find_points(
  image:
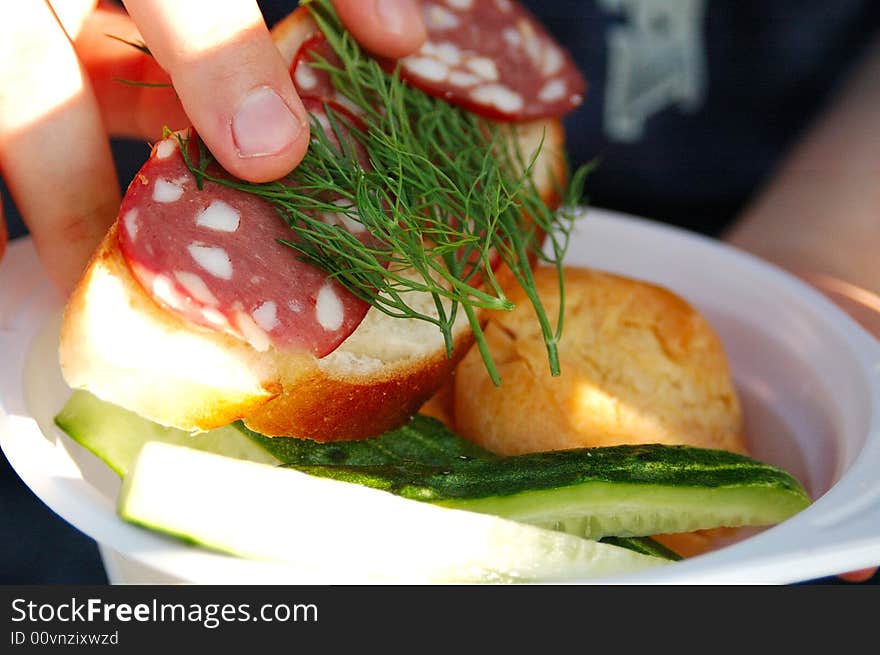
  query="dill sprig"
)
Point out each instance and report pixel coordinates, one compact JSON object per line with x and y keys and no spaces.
{"x":150,"y":85}
{"x":446,"y":197}
{"x":137,"y":45}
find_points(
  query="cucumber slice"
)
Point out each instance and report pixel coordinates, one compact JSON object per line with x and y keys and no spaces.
{"x":625,"y":491}
{"x":424,"y":441}
{"x":347,"y":532}
{"x":116,"y":435}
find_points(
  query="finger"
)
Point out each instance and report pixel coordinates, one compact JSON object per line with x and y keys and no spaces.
{"x":231,"y":80}
{"x":391,"y":28}
{"x":54,"y":153}
{"x":119,"y":72}
{"x":72,"y":14}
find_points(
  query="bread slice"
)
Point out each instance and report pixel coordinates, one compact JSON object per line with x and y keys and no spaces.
{"x":119,"y":344}
{"x":639,"y":365}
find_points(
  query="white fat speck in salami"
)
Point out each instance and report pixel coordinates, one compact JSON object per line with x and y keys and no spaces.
{"x":553,"y":90}
{"x":165,"y":148}
{"x":130,"y":221}
{"x":463,"y":79}
{"x":526,"y":28}
{"x":448,"y":53}
{"x":305,"y":77}
{"x":253,"y":333}
{"x":439,"y":19}
{"x":219,"y":216}
{"x":534,"y":51}
{"x":266,"y":316}
{"x":553,"y":61}
{"x":214,"y":258}
{"x":213,"y":317}
{"x":499,"y":97}
{"x":324,"y":122}
{"x":342,"y":101}
{"x":328,"y":309}
{"x":309,"y":80}
{"x":163,"y":290}
{"x":165,"y":191}
{"x":196,"y":287}
{"x":343,"y":217}
{"x":501,"y":43}
{"x":483,"y":67}
{"x":512,"y":36}
{"x":427,"y":68}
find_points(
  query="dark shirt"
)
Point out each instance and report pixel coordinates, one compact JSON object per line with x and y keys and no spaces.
{"x":768,"y":68}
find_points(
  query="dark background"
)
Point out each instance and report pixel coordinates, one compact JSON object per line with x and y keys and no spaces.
{"x":772,"y":66}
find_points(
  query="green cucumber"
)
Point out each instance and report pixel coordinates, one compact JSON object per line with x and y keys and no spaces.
{"x":423,"y":441}
{"x":623,"y":491}
{"x":116,"y":435}
{"x":331,"y":531}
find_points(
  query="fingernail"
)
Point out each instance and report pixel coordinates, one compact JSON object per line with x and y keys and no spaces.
{"x":263,"y":124}
{"x":398,"y":16}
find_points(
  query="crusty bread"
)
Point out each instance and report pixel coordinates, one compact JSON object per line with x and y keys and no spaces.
{"x":639,"y":365}
{"x":119,"y":344}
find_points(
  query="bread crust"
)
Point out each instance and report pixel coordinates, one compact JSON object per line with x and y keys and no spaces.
{"x":329,"y":408}
{"x":276,"y":393}
{"x":639,"y":365}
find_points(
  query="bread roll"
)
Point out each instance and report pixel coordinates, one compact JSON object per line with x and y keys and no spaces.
{"x":639,"y":365}
{"x":119,"y":344}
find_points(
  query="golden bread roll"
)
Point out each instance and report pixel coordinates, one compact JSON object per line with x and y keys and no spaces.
{"x":639,"y":365}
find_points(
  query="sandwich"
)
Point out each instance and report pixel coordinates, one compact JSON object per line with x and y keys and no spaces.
{"x":331,"y":304}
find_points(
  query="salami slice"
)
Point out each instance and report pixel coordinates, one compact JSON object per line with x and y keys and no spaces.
{"x":212,"y":256}
{"x":493,"y":58}
{"x":308,"y":79}
{"x":311,"y":81}
{"x":490,"y":57}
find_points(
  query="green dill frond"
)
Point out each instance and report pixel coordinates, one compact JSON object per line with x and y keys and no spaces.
{"x":137,"y":45}
{"x":151,"y":85}
{"x":447,"y":197}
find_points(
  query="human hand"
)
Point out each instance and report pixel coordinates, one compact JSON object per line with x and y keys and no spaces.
{"x":60,"y":100}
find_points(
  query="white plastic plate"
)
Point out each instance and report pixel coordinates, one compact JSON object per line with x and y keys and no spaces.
{"x":808,"y":375}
